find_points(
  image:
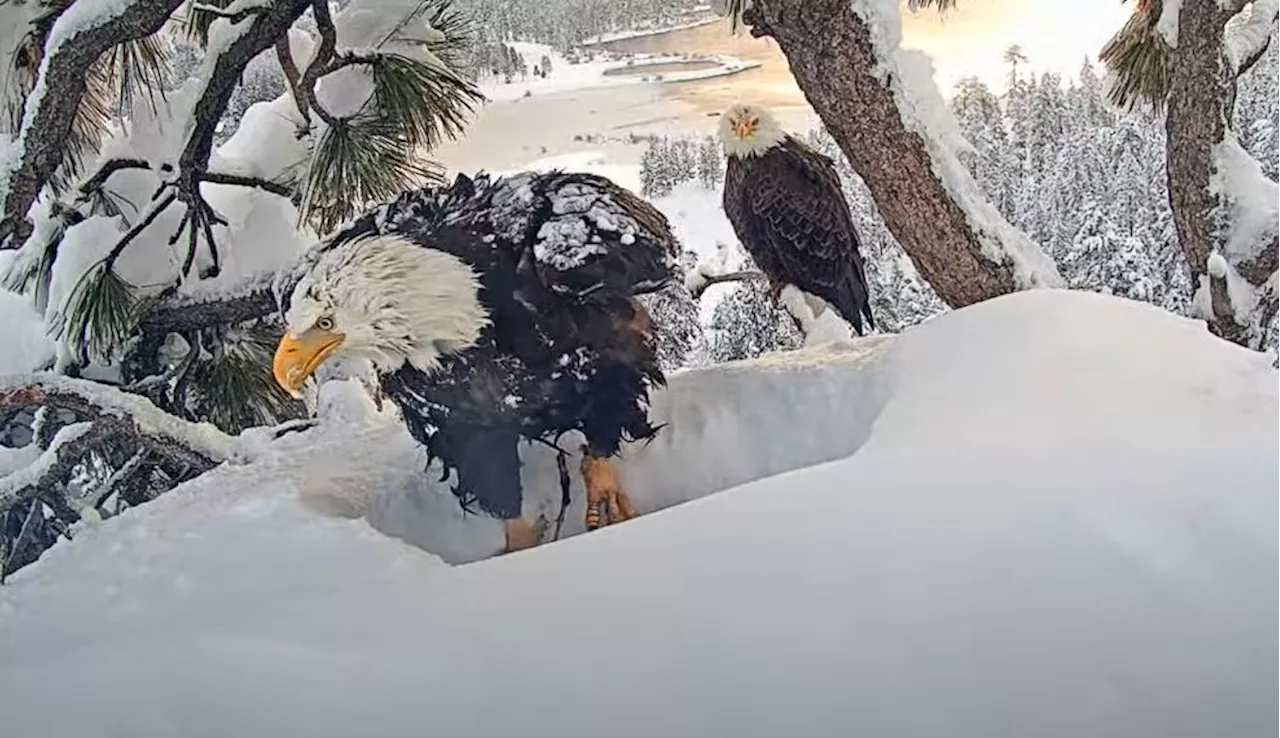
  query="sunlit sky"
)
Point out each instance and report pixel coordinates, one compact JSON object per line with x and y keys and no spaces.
{"x":1055,"y":35}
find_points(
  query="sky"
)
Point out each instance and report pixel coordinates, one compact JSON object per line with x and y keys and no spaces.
{"x":1055,"y":35}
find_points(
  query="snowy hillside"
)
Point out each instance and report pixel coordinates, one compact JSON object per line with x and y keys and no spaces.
{"x":1050,"y":514}
{"x":606,"y":71}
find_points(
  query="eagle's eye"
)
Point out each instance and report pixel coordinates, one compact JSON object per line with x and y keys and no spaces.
{"x":325,"y":323}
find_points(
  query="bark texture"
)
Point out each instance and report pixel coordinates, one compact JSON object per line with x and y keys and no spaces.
{"x":830,"y":52}
{"x":1200,"y":104}
{"x":46,"y":128}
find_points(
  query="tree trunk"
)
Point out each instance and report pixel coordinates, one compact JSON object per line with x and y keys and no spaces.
{"x":835,"y":62}
{"x":1200,"y":102}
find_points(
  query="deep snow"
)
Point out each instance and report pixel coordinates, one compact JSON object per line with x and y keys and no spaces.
{"x":1059,"y":520}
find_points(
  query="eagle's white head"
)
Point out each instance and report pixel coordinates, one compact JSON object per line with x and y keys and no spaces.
{"x":749,"y":130}
{"x":380,"y":298}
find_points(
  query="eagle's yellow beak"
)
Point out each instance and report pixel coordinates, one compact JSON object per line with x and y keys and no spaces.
{"x":297,"y":358}
{"x":744,"y":127}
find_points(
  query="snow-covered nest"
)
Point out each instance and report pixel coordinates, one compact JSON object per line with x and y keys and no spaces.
{"x":1050,"y":514}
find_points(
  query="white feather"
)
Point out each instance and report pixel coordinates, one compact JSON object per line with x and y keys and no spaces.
{"x":393,"y":301}
{"x":766,"y":135}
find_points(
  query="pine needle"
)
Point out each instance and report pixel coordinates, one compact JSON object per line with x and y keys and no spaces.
{"x":358,"y":161}
{"x":427,"y":99}
{"x":136,"y":67}
{"x":98,"y":316}
{"x":234,"y":388}
{"x":196,"y":22}
{"x":1139,"y":57}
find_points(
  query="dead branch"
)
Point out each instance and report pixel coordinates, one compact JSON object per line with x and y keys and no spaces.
{"x":706,"y":280}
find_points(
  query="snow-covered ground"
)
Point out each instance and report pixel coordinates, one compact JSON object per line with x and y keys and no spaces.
{"x":603,"y":71}
{"x":1049,"y":514}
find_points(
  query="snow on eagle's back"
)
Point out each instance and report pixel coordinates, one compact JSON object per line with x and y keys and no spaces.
{"x":565,"y":243}
{"x":1058,"y":519}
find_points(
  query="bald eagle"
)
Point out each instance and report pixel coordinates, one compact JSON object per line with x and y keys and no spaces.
{"x":495,"y":310}
{"x":787,"y":207}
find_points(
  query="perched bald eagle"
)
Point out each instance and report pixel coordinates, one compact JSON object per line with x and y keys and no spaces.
{"x":788,"y":210}
{"x":495,"y":310}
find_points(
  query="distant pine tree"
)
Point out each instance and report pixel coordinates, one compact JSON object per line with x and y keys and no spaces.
{"x":710,"y":163}
{"x":746,"y":324}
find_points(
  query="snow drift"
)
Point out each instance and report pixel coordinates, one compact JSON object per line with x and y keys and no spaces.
{"x":1050,"y":514}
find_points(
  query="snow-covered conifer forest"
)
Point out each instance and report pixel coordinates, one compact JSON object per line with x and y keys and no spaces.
{"x":1038,"y":498}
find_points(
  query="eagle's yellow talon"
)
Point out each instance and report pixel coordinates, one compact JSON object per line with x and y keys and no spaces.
{"x":603,"y":490}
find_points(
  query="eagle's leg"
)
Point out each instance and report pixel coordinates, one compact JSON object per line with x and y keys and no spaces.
{"x":603,"y":491}
{"x":775,"y":290}
{"x":489,"y":472}
{"x":522,"y":534}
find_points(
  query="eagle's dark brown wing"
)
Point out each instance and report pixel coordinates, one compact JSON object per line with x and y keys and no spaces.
{"x":789,"y":211}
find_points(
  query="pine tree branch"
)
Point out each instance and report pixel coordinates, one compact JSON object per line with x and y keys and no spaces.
{"x":240,"y":180}
{"x":265,"y":28}
{"x":47,"y":119}
{"x":320,"y":62}
{"x":158,"y":206}
{"x":198,"y":444}
{"x":99,"y":178}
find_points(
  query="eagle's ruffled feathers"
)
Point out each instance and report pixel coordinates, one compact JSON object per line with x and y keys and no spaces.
{"x":559,"y":257}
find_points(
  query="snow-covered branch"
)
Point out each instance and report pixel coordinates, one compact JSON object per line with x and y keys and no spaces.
{"x":1249,"y":33}
{"x":699,"y":280}
{"x":81,"y":34}
{"x":231,"y":47}
{"x":198,"y":443}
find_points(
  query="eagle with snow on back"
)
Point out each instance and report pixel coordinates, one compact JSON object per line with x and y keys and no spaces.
{"x":495,"y":310}
{"x":787,"y":208}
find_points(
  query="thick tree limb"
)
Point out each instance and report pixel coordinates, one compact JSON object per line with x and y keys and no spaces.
{"x":197,"y":444}
{"x":1197,"y":123}
{"x":48,"y":118}
{"x":833,"y":58}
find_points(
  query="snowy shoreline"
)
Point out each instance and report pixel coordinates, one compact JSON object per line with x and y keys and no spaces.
{"x":567,"y":76}
{"x":607,"y":38}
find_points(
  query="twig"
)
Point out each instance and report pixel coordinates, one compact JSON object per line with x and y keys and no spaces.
{"x":710,"y":279}
{"x":100,"y":177}
{"x":157,"y":207}
{"x":284,"y":55}
{"x":235,"y":17}
{"x":320,"y":63}
{"x":97,"y":496}
{"x":20,"y":539}
{"x":224,"y":178}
